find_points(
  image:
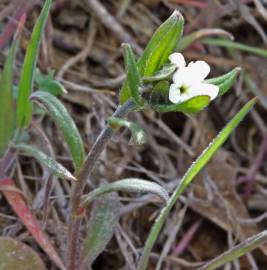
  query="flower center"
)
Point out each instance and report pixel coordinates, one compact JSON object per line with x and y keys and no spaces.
{"x":183,"y":89}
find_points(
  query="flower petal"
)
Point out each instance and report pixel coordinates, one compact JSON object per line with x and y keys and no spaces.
{"x":204,"y":89}
{"x":199,"y":70}
{"x":183,"y":76}
{"x":174,"y":93}
{"x":177,"y":59}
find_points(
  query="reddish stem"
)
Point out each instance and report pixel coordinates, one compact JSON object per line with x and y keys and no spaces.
{"x":251,"y":177}
{"x":187,"y":237}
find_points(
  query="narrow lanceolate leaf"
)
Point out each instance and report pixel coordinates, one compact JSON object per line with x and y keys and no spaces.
{"x":16,"y":255}
{"x":129,"y":185}
{"x":226,"y":81}
{"x":64,"y":122}
{"x":138,"y":133}
{"x":133,"y":76}
{"x":55,"y":167}
{"x":103,"y":221}
{"x":7,"y":112}
{"x":196,"y":167}
{"x":156,"y":53}
{"x":237,"y":251}
{"x":17,"y":202}
{"x":24,"y":109}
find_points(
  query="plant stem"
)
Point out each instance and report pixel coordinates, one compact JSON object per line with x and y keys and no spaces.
{"x":83,"y":175}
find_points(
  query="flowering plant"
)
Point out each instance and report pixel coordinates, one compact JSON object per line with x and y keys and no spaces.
{"x":159,"y":80}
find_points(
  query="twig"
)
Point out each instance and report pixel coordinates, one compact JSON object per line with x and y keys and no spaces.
{"x":81,"y":56}
{"x":111,"y":23}
{"x":250,"y":179}
{"x":83,"y":176}
{"x":7,"y":161}
{"x":177,"y":223}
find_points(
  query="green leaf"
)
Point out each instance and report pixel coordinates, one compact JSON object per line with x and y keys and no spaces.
{"x":235,"y":45}
{"x":161,"y":45}
{"x":235,"y":252}
{"x":65,"y":123}
{"x":47,"y":83}
{"x":24,"y":109}
{"x":192,"y":105}
{"x":156,"y":53}
{"x":138,"y":133}
{"x":133,"y":76}
{"x":55,"y":167}
{"x":16,"y":255}
{"x":226,"y":81}
{"x":195,"y":168}
{"x":7,"y":110}
{"x":129,"y":185}
{"x":164,"y":73}
{"x":103,"y":221}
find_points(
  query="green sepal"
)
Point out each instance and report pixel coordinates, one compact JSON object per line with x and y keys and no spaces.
{"x":192,"y":105}
{"x":225,"y":82}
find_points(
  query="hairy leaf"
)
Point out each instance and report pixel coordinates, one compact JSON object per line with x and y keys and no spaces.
{"x":130,"y":185}
{"x":55,"y":167}
{"x":64,"y":122}
{"x":103,"y":221}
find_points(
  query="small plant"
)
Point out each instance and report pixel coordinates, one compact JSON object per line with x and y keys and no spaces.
{"x":159,"y":80}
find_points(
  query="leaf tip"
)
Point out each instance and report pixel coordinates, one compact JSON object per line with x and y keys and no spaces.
{"x":176,"y":13}
{"x":125,"y":45}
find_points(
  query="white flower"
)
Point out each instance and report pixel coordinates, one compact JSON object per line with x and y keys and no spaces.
{"x":177,"y":59}
{"x":188,"y":80}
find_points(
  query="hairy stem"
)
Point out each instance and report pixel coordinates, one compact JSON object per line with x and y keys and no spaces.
{"x":84,"y":174}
